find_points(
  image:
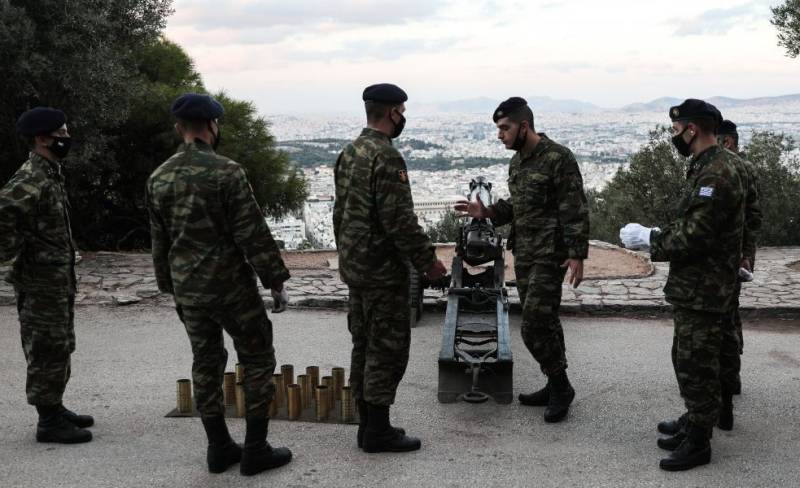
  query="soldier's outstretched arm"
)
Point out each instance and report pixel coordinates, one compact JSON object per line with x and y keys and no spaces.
{"x":396,"y":213}
{"x":573,"y":208}
{"x":694,"y":233}
{"x":337,"y":204}
{"x":752,"y":217}
{"x":503,"y":211}
{"x":160,"y":244}
{"x":250,"y":230}
{"x":18,"y":199}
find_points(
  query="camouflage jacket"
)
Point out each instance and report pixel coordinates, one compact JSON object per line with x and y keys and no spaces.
{"x":208,"y":232}
{"x":752,"y":211}
{"x":704,"y":245}
{"x":374,"y":223}
{"x":549,"y":214}
{"x":35,"y":230}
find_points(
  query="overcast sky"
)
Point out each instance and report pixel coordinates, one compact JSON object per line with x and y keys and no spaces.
{"x":307,"y":56}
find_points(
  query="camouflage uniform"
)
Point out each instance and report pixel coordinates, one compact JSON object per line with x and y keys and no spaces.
{"x":704,"y":248}
{"x":752,"y":226}
{"x":377,"y":234}
{"x":35,"y":232}
{"x":550,"y":223}
{"x":210,"y":240}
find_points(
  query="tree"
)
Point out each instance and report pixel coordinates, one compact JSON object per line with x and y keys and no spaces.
{"x":646,"y":192}
{"x":777,"y":164}
{"x":649,"y":191}
{"x":447,"y":229}
{"x":786,"y":18}
{"x":106,"y":65}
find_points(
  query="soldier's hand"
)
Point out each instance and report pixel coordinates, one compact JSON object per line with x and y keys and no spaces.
{"x":436,"y":271}
{"x":575,"y":271}
{"x":280,"y":299}
{"x":475,"y":209}
{"x":745,"y":263}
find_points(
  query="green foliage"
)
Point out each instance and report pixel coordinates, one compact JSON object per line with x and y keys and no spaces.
{"x":447,"y":229}
{"x":105,"y":64}
{"x":655,"y":182}
{"x":777,"y":164}
{"x":786,"y":18}
{"x":647,"y":192}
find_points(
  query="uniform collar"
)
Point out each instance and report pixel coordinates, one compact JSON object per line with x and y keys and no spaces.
{"x":703,"y":158}
{"x":50,"y":167}
{"x":197,"y":145}
{"x":376,"y":134}
{"x":544,"y":143}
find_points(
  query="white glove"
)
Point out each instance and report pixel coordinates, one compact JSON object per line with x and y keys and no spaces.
{"x":745,"y":276}
{"x":635,"y":236}
{"x":280,"y":300}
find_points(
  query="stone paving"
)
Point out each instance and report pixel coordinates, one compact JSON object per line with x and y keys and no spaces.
{"x":115,"y":279}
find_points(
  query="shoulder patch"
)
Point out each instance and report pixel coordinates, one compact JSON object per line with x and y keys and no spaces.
{"x":402,"y":175}
{"x":706,"y":191}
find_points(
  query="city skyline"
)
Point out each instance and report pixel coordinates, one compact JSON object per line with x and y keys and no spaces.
{"x":314,"y":56}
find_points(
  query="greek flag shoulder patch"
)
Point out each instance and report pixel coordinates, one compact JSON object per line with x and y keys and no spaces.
{"x":706,"y":191}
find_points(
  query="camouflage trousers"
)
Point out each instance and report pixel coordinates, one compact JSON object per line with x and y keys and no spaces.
{"x":731,"y":376}
{"x":539,"y":287}
{"x":47,"y":328}
{"x":246,"y":322}
{"x":703,"y":349}
{"x":379,"y":322}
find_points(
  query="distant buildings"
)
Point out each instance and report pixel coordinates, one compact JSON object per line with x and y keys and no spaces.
{"x":290,"y":230}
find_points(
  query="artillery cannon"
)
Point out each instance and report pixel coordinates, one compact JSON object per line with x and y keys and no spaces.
{"x":475,"y":361}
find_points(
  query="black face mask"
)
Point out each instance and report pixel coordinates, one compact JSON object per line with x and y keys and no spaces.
{"x":519,"y":142}
{"x":398,"y":126}
{"x":60,"y":146}
{"x":217,"y":136}
{"x":683,"y":147}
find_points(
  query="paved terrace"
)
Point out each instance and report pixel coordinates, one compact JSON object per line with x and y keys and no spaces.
{"x":618,"y":281}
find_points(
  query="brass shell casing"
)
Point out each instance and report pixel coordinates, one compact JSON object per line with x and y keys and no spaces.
{"x":338,"y":383}
{"x":280,"y":390}
{"x":229,"y":389}
{"x":305,"y":390}
{"x":241,"y":409}
{"x":287,"y":370}
{"x":328,"y":381}
{"x":293,"y":394}
{"x":184,"y":395}
{"x":323,"y":396}
{"x":313,"y":373}
{"x":347,"y":410}
{"x":239,"y":373}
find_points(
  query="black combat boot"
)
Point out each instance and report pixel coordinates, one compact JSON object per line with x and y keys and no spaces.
{"x":81,"y":421}
{"x":695,"y":450}
{"x":362,"y":423}
{"x":222,"y":451}
{"x":380,"y":436}
{"x":258,"y":455}
{"x":53,"y":427}
{"x":539,"y":398}
{"x":672,"y":427}
{"x":725,"y":420}
{"x":561,"y":396}
{"x":673,"y":442}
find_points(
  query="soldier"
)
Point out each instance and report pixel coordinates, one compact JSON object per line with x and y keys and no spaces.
{"x":210,"y":241}
{"x":728,"y":137}
{"x":35,"y":233}
{"x":377,"y":235}
{"x":550,"y":233}
{"x":703,"y":247}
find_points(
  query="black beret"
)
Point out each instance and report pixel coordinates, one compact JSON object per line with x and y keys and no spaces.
{"x":727,"y":128}
{"x":384,"y":93}
{"x":508,"y":107}
{"x":40,"y":120}
{"x":196,"y":106}
{"x":693,"y":109}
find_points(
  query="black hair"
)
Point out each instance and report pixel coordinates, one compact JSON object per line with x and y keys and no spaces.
{"x":523,"y":113}
{"x":376,"y":111}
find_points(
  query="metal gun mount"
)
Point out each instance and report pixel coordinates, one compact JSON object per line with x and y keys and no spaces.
{"x":475,"y":361}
